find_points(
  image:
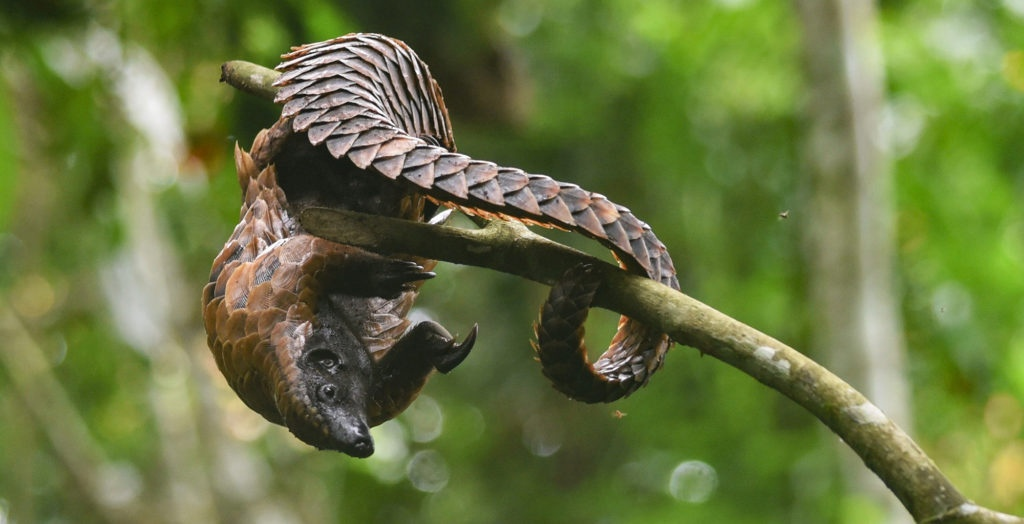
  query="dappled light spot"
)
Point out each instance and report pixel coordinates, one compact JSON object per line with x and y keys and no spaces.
{"x":901,"y":123}
{"x":428,"y":471}
{"x":1006,"y":474}
{"x":241,"y":422}
{"x":244,"y":473}
{"x":962,"y":36}
{"x":1013,"y":69}
{"x":734,"y":4}
{"x":520,"y":17}
{"x":952,"y":304}
{"x":120,"y":484}
{"x":473,"y":425}
{"x":542,"y":436}
{"x":646,"y":474}
{"x":425,"y":419}
{"x":171,"y":369}
{"x":33,"y":296}
{"x":1015,"y":6}
{"x":693,"y":481}
{"x":1004,"y":416}
{"x":391,"y":447}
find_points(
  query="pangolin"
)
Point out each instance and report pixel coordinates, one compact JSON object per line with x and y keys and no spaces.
{"x":313,"y":334}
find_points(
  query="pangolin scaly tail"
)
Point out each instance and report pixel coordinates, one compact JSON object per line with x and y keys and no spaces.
{"x":358,"y":95}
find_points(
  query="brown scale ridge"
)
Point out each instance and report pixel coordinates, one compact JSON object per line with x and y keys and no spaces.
{"x":361,"y":96}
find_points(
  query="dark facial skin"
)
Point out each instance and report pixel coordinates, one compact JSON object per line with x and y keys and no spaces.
{"x":335,"y":372}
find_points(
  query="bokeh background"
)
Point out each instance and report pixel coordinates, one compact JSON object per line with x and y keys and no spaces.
{"x":118,"y":189}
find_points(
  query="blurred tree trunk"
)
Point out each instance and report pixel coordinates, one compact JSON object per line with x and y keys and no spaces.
{"x":849,"y":227}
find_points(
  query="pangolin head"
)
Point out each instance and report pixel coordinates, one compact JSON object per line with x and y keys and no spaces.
{"x":323,"y":393}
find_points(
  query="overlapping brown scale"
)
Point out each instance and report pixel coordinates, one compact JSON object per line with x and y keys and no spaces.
{"x":224,"y":357}
{"x":296,"y":104}
{"x":324,"y":56}
{"x":523,"y":200}
{"x":365,"y":96}
{"x":478,"y":172}
{"x":454,"y":185}
{"x":451,"y":164}
{"x":234,"y":325}
{"x":289,"y":91}
{"x":511,"y":179}
{"x":321,"y":131}
{"x":339,"y":145}
{"x":376,"y":137}
{"x":307,"y":65}
{"x":286,"y":277}
{"x":387,"y":99}
{"x":394,"y":98}
{"x":210,"y":315}
{"x":586,"y":220}
{"x":353,"y":126}
{"x":402,"y":91}
{"x":422,"y":175}
{"x":366,"y":67}
{"x":362,"y":157}
{"x":398,"y":145}
{"x":390,"y":166}
{"x":422,"y":155}
{"x":334,"y":99}
{"x":410,"y":89}
{"x":556,"y":209}
{"x":331,"y":114}
{"x":639,"y":250}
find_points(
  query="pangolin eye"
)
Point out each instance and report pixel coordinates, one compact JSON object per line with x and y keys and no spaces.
{"x":328,"y":392}
{"x":325,"y":359}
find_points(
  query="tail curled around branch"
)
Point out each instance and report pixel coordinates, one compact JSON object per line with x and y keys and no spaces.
{"x":369,"y":99}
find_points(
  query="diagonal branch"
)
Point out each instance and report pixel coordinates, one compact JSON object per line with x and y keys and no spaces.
{"x":885,"y":448}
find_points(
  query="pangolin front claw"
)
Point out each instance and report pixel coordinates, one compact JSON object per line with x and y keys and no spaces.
{"x":395,"y":277}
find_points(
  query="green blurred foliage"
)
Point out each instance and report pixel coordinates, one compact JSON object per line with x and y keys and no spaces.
{"x":688,"y":113}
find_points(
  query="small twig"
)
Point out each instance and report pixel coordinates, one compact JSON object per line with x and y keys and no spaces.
{"x":250,"y":78}
{"x":885,"y":448}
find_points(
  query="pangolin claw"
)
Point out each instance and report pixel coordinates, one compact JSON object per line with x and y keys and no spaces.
{"x":456,"y":352}
{"x":396,"y":277}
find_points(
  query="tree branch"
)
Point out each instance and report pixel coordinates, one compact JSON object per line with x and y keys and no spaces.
{"x":884,"y":447}
{"x":511,"y":248}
